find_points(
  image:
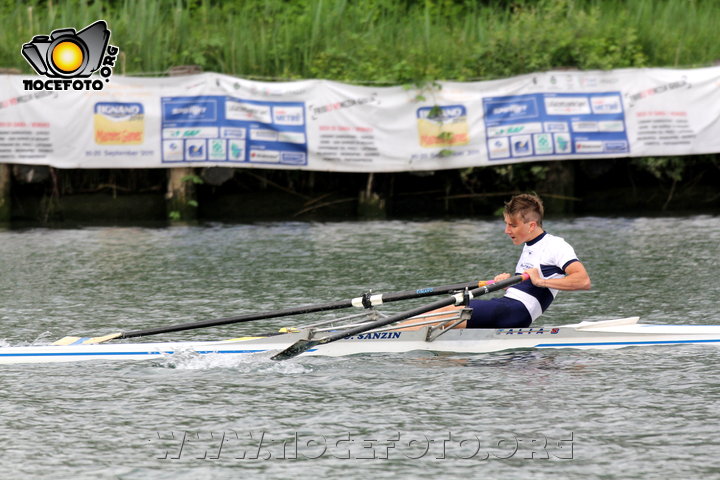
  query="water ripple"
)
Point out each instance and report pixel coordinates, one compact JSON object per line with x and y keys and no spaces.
{"x":633,"y":413}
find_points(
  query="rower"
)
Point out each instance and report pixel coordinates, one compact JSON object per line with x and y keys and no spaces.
{"x":550,"y":262}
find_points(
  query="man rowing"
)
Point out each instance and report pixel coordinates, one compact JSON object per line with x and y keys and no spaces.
{"x":550,"y":262}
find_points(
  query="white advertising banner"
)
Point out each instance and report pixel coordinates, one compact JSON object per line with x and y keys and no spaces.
{"x":218,"y":120}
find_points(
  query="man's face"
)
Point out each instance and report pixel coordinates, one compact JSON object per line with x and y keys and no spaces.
{"x":520,"y":231}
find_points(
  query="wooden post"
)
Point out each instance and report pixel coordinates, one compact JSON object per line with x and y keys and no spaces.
{"x":181,"y":200}
{"x":370,"y":204}
{"x":180,"y":196}
{"x":5,"y":182}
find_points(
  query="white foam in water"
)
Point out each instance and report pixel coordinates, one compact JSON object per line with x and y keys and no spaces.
{"x":256,"y":362}
{"x":44,"y":338}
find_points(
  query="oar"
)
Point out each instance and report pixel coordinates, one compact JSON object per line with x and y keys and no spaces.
{"x":304,"y":345}
{"x":365,"y":301}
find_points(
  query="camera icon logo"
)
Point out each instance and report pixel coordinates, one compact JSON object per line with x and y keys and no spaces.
{"x":67,"y":53}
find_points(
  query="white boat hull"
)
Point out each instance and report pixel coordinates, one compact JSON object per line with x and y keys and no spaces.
{"x":587,"y":335}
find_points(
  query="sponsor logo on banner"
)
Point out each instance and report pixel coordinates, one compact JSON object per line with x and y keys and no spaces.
{"x":270,"y":156}
{"x":69,"y":58}
{"x":619,"y":146}
{"x":585,"y":126}
{"x":505,"y":130}
{"x":535,"y":127}
{"x":567,"y":105}
{"x":555,"y":127}
{"x":611,"y":126}
{"x":297,"y":158}
{"x":562,"y":143}
{"x":543,"y":143}
{"x":499,"y":147}
{"x":217,"y":150}
{"x":510,"y":109}
{"x":288,"y":115}
{"x":189,"y":110}
{"x":589,"y":146}
{"x":118,"y":123}
{"x":606,"y":104}
{"x":233,"y":132}
{"x":291,"y":137}
{"x":521,"y":145}
{"x":443,"y":126}
{"x":173,"y":150}
{"x":236,"y":151}
{"x":196,"y":132}
{"x":195,"y":150}
{"x":249,"y":112}
{"x":263,"y":135}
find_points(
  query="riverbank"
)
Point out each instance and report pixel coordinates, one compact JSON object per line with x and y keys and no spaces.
{"x":47,"y":196}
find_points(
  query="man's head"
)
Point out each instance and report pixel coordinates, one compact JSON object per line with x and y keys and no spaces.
{"x":523,"y":218}
{"x":527,"y":207}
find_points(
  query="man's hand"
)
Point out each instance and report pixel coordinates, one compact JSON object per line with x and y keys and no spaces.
{"x":535,"y":277}
{"x":501,"y":276}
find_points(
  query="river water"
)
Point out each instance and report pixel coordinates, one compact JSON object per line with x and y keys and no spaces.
{"x":649,"y":412}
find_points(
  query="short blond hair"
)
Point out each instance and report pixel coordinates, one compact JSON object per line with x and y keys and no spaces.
{"x":527,"y":206}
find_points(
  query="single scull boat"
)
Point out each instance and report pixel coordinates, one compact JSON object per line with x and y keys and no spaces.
{"x":609,"y":334}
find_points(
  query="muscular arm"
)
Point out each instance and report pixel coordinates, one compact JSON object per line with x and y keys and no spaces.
{"x":576,"y":278}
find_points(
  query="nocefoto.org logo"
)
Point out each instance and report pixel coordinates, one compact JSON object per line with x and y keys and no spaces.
{"x":68,"y":58}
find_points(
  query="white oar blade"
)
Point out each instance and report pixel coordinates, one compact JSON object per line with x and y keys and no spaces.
{"x":86,"y":340}
{"x":104,"y":338}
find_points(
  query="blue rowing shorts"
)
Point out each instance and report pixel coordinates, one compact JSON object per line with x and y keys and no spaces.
{"x":499,"y":312}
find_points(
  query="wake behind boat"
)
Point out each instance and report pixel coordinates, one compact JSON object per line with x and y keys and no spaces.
{"x":608,"y":334}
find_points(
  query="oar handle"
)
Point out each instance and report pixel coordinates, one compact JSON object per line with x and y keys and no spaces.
{"x":304,"y":345}
{"x":369,"y":300}
{"x":455,"y":299}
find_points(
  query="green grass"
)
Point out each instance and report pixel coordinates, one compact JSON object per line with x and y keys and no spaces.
{"x":381,"y":41}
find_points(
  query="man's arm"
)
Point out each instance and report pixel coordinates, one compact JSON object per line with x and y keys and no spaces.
{"x":576,"y":278}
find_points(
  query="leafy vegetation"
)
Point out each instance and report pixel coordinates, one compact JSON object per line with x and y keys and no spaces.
{"x":381,"y":41}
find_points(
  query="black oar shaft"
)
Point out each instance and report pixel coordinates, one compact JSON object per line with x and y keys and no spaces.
{"x":304,"y":345}
{"x":373,"y":300}
{"x":238,"y":319}
{"x":366,"y":301}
